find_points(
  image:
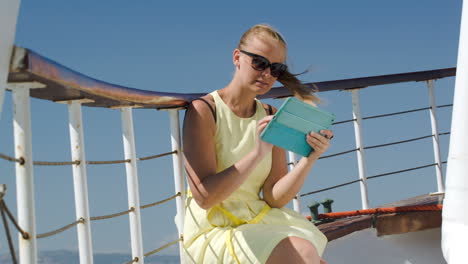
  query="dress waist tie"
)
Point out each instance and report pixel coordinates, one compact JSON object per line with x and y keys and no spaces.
{"x":237,"y":222}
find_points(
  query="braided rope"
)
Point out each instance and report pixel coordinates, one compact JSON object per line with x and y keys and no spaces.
{"x":8,"y":158}
{"x":60,"y":230}
{"x":77,"y":162}
{"x":108,"y":162}
{"x":134,"y":260}
{"x":56,"y":163}
{"x":24,"y":234}
{"x":102,"y":217}
{"x":163,"y":247}
{"x":158,"y":156}
{"x":160,"y":202}
{"x":7,"y":231}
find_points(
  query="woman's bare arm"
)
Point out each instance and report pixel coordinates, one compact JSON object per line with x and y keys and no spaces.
{"x":208,"y":187}
{"x":282,"y":186}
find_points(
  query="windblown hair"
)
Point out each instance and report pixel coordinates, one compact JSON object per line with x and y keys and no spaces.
{"x":288,"y":79}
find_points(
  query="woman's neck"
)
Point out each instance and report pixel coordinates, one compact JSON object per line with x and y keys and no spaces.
{"x":239,"y":100}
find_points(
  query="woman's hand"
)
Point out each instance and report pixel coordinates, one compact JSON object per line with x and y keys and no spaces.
{"x":319,"y":142}
{"x":263,"y":147}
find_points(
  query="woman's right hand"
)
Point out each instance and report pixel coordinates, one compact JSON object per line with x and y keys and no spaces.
{"x":262,"y":147}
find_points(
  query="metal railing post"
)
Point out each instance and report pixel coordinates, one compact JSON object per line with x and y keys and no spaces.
{"x":179,"y":182}
{"x":24,"y":175}
{"x":292,"y":163}
{"x":80,"y":182}
{"x":435,"y":136}
{"x":360,"y":146}
{"x":132,"y":185}
{"x":8,"y":16}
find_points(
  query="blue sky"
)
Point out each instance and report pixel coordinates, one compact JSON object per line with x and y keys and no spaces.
{"x":186,"y":46}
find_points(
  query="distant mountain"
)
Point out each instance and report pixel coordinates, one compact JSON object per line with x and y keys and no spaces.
{"x":71,"y":257}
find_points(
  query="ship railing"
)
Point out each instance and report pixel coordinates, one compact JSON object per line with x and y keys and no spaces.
{"x":25,"y":164}
{"x":29,"y":71}
{"x":435,"y":136}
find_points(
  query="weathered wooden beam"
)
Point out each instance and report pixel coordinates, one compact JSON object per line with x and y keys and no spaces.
{"x":392,"y":224}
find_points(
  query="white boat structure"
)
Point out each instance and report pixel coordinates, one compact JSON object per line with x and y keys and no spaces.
{"x":409,"y":232}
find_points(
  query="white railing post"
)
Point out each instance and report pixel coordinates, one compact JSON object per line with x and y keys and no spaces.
{"x":179,"y":182}
{"x":292,"y":163}
{"x":435,"y":136}
{"x":24,"y":176}
{"x":8,"y":16}
{"x":80,"y":182}
{"x":360,"y":148}
{"x":454,"y":213}
{"x":132,"y":185}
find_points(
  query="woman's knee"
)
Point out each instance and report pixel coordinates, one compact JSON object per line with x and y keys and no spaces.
{"x":305,"y":248}
{"x":295,"y":250}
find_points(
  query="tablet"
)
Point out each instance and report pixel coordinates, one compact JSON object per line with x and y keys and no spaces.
{"x":293,"y":121}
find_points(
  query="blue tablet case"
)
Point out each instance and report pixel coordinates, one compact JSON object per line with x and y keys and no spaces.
{"x":292,"y":122}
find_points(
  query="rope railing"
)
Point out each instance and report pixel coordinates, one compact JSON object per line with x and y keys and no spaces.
{"x":160,"y":202}
{"x":103,"y":217}
{"x":107,"y":162}
{"x":158,"y":156}
{"x":5,"y":223}
{"x":60,"y":230}
{"x":7,"y":232}
{"x":56,"y":163}
{"x":163,"y":247}
{"x":8,"y":158}
{"x":370,"y":177}
{"x":77,"y":162}
{"x":136,"y":259}
{"x":5,"y":211}
{"x":5,"y":208}
{"x":94,"y":218}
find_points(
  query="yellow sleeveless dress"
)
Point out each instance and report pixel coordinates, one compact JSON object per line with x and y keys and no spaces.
{"x":242,"y":228}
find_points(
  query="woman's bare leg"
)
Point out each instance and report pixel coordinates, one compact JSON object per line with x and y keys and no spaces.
{"x":294,"y":250}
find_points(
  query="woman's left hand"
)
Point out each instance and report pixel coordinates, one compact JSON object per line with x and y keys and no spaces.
{"x":319,"y":142}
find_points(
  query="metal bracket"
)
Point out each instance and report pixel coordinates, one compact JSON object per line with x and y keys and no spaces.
{"x":25,"y":85}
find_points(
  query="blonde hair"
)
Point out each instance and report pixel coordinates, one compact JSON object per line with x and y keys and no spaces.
{"x":289,"y":80}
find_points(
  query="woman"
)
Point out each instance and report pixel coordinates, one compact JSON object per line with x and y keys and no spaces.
{"x":228,"y":166}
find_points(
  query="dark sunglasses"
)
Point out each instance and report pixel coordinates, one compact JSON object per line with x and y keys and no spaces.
{"x":261,"y":63}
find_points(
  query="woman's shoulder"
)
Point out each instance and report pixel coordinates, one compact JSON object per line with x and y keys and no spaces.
{"x":203,"y":105}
